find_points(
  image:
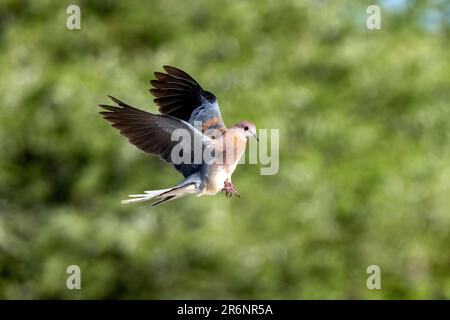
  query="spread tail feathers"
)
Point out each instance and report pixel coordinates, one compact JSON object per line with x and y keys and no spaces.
{"x":163,"y":194}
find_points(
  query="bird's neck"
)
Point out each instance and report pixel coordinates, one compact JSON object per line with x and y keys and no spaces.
{"x":231,"y":145}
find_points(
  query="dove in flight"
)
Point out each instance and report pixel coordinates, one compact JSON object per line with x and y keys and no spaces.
{"x":183,"y":105}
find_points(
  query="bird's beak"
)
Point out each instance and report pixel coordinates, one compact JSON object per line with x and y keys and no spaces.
{"x":256,"y":137}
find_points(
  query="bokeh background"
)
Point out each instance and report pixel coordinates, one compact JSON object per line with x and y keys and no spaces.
{"x":364,"y":177}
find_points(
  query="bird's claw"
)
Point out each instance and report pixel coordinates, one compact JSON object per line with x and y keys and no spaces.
{"x":229,"y":189}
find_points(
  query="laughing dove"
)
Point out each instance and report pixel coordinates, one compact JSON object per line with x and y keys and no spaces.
{"x":185,"y":106}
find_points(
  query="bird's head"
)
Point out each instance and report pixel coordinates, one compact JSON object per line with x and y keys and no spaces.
{"x":247,"y":128}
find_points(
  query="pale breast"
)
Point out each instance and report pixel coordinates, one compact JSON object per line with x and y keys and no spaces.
{"x":222,"y":170}
{"x":216,"y":181}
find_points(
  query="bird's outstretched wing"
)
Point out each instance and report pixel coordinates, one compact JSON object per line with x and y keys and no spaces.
{"x":153,"y":133}
{"x":177,"y":94}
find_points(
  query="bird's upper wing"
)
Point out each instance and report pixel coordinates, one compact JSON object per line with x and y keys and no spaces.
{"x":152,"y":133}
{"x":177,"y":94}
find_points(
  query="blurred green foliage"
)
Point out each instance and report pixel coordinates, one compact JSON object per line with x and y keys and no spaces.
{"x":364,"y":142}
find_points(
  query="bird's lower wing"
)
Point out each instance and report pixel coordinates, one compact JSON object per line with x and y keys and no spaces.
{"x":153,"y":133}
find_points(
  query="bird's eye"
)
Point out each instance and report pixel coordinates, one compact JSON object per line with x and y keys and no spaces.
{"x":245,"y":128}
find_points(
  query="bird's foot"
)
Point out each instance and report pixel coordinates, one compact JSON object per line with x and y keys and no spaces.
{"x":229,"y":189}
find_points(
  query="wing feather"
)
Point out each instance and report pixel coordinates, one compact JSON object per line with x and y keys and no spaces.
{"x":179,"y":95}
{"x":152,"y":133}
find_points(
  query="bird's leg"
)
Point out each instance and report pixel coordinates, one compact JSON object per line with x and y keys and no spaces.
{"x":233,"y":190}
{"x":229,"y":189}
